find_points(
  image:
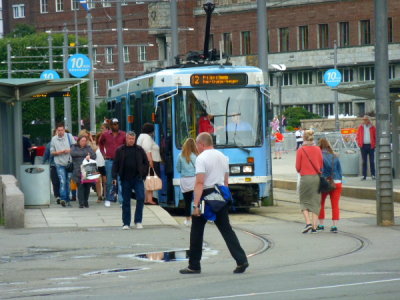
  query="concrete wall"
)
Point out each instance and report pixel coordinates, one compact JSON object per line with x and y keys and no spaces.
{"x":12,"y":203}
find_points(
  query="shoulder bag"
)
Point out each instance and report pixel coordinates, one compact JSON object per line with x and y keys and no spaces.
{"x":152,"y":182}
{"x":70,"y":165}
{"x":326,"y":185}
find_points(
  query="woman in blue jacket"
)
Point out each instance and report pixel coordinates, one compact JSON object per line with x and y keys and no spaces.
{"x":186,"y":167}
{"x":331,"y":168}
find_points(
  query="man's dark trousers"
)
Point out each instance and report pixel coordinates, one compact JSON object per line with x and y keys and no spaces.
{"x":366,"y":150}
{"x":127,"y":186}
{"x":224,"y":227}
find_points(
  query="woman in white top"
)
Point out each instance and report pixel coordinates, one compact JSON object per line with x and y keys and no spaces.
{"x":100,"y":184}
{"x":152,"y":150}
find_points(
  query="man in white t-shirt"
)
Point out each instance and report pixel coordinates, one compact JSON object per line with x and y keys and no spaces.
{"x":212,"y":168}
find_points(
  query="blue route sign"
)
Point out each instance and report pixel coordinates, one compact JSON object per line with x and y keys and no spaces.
{"x":49,"y":74}
{"x":79,"y":65}
{"x":332,"y":77}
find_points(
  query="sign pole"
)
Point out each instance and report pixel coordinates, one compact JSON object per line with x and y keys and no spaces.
{"x":336,"y":97}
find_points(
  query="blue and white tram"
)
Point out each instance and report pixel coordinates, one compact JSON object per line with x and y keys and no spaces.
{"x":180,"y":100}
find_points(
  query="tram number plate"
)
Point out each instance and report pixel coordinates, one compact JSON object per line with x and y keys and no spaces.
{"x":218,"y":79}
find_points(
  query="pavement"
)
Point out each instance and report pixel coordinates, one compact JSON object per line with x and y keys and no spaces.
{"x":355,"y":191}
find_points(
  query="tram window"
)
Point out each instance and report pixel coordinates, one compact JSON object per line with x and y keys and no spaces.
{"x":123,"y":113}
{"x":147,"y":106}
{"x":113,"y":104}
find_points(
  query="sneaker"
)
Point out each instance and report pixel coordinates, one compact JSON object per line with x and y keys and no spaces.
{"x":125,"y":227}
{"x":241,"y":268}
{"x":334,"y":229}
{"x":62,"y":202}
{"x":73,"y":198}
{"x":373,"y":177}
{"x":139,"y":226}
{"x":307,"y":228}
{"x":320,"y":227}
{"x":189,"y":271}
{"x":363,"y":178}
{"x":107,"y":203}
{"x":187,"y":223}
{"x":314,"y":231}
{"x":80,"y":206}
{"x":58,"y":200}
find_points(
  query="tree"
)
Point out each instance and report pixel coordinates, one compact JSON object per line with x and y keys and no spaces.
{"x":30,"y":63}
{"x":295,"y":114}
{"x":21,"y":30}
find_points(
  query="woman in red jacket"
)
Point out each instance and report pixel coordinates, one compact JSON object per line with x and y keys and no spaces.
{"x":309,"y":164}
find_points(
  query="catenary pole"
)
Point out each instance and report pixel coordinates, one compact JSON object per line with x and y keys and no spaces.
{"x":120,"y":42}
{"x":79,"y":86}
{"x":384,"y":183}
{"x":52,"y":105}
{"x":67,"y":100}
{"x":335,"y":93}
{"x":92,"y":103}
{"x":174,"y":32}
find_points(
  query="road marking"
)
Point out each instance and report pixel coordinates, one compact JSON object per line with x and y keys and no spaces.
{"x":300,"y":290}
{"x":357,"y":273}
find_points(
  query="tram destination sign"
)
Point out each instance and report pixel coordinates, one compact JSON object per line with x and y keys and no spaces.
{"x":215,"y":80}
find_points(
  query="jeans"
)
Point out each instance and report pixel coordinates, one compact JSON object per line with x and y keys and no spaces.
{"x":55,"y":181}
{"x":64,"y":178}
{"x":109,"y":165}
{"x":224,"y":227}
{"x":366,"y":150}
{"x":83,"y":193}
{"x":335,"y":197}
{"x":127,"y":186}
{"x":188,"y":197}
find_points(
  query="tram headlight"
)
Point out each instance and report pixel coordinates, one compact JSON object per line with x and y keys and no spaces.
{"x":235,"y":169}
{"x":247,"y":169}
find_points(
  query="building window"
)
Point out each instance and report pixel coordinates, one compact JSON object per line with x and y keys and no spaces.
{"x":347,"y":74}
{"x":110,"y":83}
{"x":284,"y":39}
{"x":96,"y":87}
{"x":94,"y":56}
{"x":344,"y":34}
{"x":246,"y":49}
{"x":392,"y":71}
{"x":304,"y":77}
{"x":142,"y":53}
{"x":91,"y":4}
{"x":325,"y":110}
{"x":323,"y":35}
{"x":346,"y":108}
{"x":109,"y":55}
{"x":75,"y":4}
{"x":366,"y":73}
{"x":303,"y":37}
{"x":59,"y":5}
{"x":390,"y":30}
{"x":126,"y":54}
{"x":227,"y":43}
{"x":106,"y":3}
{"x":320,"y":76}
{"x":124,"y":2}
{"x":271,"y":79}
{"x":287,"y":79}
{"x":211,"y":42}
{"x":19,"y":11}
{"x":365,"y":31}
{"x":44,"y":6}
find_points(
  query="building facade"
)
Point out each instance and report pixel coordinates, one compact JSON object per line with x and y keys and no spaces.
{"x":301,"y":35}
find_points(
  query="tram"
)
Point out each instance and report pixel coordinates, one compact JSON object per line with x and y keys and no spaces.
{"x":229,"y":102}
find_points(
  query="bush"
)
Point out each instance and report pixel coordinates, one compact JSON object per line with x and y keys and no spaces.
{"x":295,"y":114}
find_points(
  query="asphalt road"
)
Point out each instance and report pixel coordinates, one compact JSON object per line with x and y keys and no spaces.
{"x":362,"y":261}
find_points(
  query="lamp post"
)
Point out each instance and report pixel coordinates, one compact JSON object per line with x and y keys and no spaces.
{"x":279,"y":75}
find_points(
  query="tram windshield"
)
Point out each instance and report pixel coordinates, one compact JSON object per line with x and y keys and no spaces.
{"x":232,"y":116}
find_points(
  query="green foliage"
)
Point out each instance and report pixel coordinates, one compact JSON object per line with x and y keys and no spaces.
{"x":289,"y":128}
{"x":21,"y":30}
{"x":295,"y":114}
{"x":30,"y":63}
{"x":101,"y":112}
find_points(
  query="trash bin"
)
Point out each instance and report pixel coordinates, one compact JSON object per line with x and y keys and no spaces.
{"x":350,"y":161}
{"x":35,"y":184}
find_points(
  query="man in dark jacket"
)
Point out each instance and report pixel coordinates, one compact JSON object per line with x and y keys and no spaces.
{"x":131,"y":165}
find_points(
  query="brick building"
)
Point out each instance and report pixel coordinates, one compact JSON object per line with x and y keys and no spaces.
{"x":301,"y":35}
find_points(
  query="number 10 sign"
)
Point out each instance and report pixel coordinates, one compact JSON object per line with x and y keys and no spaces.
{"x":79,"y":65}
{"x":332,"y":77}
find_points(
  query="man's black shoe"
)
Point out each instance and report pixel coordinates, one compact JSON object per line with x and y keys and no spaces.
{"x":241,"y":268}
{"x":189,"y":271}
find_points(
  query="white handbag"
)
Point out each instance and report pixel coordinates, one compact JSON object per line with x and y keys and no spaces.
{"x":152,"y":182}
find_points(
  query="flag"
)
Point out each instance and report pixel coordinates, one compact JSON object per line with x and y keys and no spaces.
{"x":84,"y":3}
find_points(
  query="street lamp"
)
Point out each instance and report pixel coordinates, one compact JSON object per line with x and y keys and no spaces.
{"x":278,"y":75}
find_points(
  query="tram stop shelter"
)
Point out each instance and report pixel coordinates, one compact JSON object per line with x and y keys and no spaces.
{"x":367,"y":90}
{"x":12,"y":93}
